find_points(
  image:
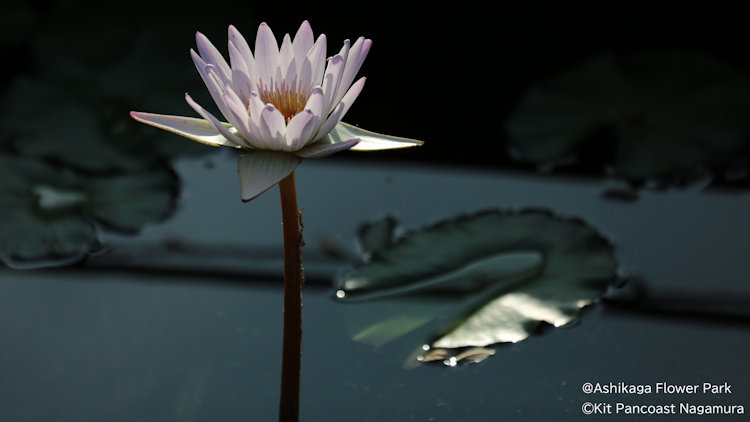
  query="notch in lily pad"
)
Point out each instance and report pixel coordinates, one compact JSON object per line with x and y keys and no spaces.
{"x":470,"y":283}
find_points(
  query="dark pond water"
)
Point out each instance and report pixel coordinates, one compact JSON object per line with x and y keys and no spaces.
{"x":135,"y":285}
{"x":150,"y":330}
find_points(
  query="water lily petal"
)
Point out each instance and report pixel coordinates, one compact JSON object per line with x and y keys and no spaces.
{"x":369,"y":141}
{"x":317,"y":57}
{"x":304,"y":76}
{"x":236,"y":59}
{"x":212,"y":56}
{"x":326,"y":147}
{"x":357,"y":54}
{"x":241,"y":45}
{"x":303,"y":41}
{"x":261,"y":170}
{"x":215,"y":88}
{"x":190,"y":127}
{"x":333,"y":96}
{"x":342,"y":108}
{"x":286,"y":54}
{"x":240,"y":119}
{"x":331,"y":81}
{"x":316,"y":102}
{"x":290,"y":77}
{"x":219,"y":126}
{"x":237,"y":120}
{"x":274,"y":126}
{"x":266,"y":54}
{"x":352,"y":94}
{"x":262,"y":140}
{"x":301,"y":129}
{"x":241,"y":83}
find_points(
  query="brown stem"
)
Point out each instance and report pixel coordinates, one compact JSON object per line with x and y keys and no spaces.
{"x":293,"y":279}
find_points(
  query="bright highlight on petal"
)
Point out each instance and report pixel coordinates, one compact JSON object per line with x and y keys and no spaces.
{"x":370,"y":141}
{"x":196,"y":129}
{"x":283,"y":103}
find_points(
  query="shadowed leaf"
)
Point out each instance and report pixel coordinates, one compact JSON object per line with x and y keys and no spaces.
{"x":51,"y":214}
{"x":665,"y":114}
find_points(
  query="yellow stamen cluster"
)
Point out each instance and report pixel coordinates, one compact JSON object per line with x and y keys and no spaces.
{"x":289,"y":100}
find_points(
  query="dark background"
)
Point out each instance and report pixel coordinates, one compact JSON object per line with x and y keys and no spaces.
{"x":446,"y":73}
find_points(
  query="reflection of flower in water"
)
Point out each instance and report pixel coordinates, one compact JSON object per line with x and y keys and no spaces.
{"x":283,"y":104}
{"x":496,"y":275}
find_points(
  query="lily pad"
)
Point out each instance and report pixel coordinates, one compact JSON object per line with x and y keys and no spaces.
{"x":51,"y":214}
{"x":493,"y":276}
{"x":81,"y":125}
{"x":665,"y":115}
{"x":71,"y":104}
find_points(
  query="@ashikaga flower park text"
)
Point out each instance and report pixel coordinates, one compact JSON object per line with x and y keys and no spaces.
{"x":692,"y":399}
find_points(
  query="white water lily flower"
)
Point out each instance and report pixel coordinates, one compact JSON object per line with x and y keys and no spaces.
{"x":282,"y":104}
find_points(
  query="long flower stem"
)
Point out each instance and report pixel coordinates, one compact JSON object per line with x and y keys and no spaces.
{"x":293,"y":278}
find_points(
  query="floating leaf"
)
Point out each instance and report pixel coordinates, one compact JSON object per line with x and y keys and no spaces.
{"x":72,"y":105}
{"x":94,"y":132}
{"x":495,"y":275}
{"x":51,"y":213}
{"x":664,"y":114}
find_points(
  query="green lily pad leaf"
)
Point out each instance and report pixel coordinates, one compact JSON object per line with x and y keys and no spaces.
{"x":73,"y":104}
{"x":376,"y":236}
{"x":32,"y":241}
{"x":665,"y":115}
{"x":52,"y":215}
{"x":493,"y":276}
{"x":50,"y":119}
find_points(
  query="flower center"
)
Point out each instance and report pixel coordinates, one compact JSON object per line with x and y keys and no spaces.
{"x":289,"y":100}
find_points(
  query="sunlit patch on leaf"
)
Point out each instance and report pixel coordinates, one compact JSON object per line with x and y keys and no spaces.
{"x":485,"y":279}
{"x":665,"y":116}
{"x":51,"y":214}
